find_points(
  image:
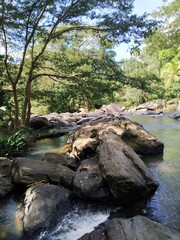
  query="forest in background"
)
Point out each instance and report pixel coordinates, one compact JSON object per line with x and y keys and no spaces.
{"x":58,"y":56}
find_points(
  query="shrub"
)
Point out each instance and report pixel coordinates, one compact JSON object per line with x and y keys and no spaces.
{"x":13,"y":145}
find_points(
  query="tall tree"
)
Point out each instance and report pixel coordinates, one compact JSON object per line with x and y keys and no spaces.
{"x":24,"y":23}
{"x":164,"y":43}
{"x":97,"y":74}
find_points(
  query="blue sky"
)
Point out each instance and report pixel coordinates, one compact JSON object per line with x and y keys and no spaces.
{"x":140,"y":6}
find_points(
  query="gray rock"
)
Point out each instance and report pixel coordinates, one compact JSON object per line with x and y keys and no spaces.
{"x":41,"y":203}
{"x":114,"y":109}
{"x":89,"y":183}
{"x":136,"y":228}
{"x":152,"y":105}
{"x":62,"y":159}
{"x":27,"y":171}
{"x":84,"y":141}
{"x":125,"y":173}
{"x":176,"y":116}
{"x":6,"y":185}
{"x":142,"y":141}
{"x":39,"y":122}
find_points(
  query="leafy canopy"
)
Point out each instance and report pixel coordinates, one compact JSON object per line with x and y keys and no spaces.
{"x":24,"y":24}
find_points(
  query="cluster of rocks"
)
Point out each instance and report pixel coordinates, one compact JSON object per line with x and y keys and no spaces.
{"x":66,"y":120}
{"x":102,"y":164}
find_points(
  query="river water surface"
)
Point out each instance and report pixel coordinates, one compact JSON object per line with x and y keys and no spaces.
{"x":163,"y":207}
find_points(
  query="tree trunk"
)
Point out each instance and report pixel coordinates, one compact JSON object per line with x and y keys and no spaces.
{"x":26,"y":111}
{"x":16,"y":107}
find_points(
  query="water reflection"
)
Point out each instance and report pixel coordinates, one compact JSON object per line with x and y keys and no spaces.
{"x":164,"y":206}
{"x":10,"y":218}
{"x":48,"y":145}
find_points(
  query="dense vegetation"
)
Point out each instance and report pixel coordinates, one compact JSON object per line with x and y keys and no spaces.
{"x":155,"y":68}
{"x":58,"y":56}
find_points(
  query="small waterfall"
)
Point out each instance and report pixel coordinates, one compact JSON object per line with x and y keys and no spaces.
{"x":76,"y":223}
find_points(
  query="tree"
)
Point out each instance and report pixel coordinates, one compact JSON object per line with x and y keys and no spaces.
{"x":26,"y":23}
{"x":164,"y":44}
{"x":97,"y":74}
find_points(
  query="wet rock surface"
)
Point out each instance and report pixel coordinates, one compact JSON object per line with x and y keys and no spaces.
{"x":85,"y":140}
{"x":89,"y":183}
{"x":6,"y":184}
{"x":27,"y":171}
{"x":126,"y":175}
{"x":138,"y":227}
{"x":41,"y":203}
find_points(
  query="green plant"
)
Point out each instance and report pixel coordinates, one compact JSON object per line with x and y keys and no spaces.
{"x":13,"y":145}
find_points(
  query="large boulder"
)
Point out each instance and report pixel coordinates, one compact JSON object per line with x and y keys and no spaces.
{"x":89,"y":183}
{"x":125,"y":173}
{"x":6,"y":185}
{"x":142,"y":141}
{"x":84,"y":141}
{"x":27,"y":171}
{"x":40,"y":205}
{"x":136,"y":228}
{"x":39,"y":122}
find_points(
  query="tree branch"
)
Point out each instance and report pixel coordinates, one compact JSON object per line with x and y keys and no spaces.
{"x":29,"y":40}
{"x":5,"y":46}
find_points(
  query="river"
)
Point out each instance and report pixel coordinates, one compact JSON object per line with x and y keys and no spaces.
{"x":163,"y":207}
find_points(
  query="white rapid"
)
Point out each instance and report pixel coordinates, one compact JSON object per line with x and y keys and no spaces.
{"x":76,"y":223}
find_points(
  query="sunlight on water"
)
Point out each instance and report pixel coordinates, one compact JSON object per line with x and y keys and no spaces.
{"x":48,"y":145}
{"x":76,"y":223}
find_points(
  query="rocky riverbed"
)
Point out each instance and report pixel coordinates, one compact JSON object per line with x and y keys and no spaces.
{"x":102,"y":164}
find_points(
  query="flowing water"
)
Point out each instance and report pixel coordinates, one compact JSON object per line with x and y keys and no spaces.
{"x":163,"y":207}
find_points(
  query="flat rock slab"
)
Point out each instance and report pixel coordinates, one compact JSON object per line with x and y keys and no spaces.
{"x":41,"y":203}
{"x":136,"y":228}
{"x":27,"y":171}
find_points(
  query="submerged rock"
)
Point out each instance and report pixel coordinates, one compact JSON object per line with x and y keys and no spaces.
{"x":40,"y":205}
{"x":176,"y":116}
{"x":136,"y":228}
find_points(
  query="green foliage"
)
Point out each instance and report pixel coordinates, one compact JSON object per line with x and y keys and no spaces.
{"x":29,"y":28}
{"x":173,"y":91}
{"x":89,"y":73}
{"x":13,"y":145}
{"x":164,"y":44}
{"x":132,"y":96}
{"x":155,"y":70}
